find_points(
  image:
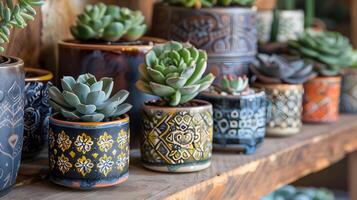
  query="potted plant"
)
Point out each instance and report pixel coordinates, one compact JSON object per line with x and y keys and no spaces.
{"x":240,"y":114}
{"x":37,"y":111}
{"x":348,"y":99}
{"x":108,"y":42}
{"x":12,"y":87}
{"x":177,"y":130}
{"x":89,"y":133}
{"x":225,"y":29}
{"x":330,"y":51}
{"x":282,"y":79}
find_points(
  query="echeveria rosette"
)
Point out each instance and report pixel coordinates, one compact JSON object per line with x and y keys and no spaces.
{"x":278,"y":69}
{"x":291,"y":193}
{"x":210,"y":3}
{"x":234,"y":85}
{"x":329,"y":50}
{"x":109,"y":23}
{"x":174,"y":71}
{"x":88,"y":100}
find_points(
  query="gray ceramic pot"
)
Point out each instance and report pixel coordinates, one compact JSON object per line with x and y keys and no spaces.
{"x":348,"y":100}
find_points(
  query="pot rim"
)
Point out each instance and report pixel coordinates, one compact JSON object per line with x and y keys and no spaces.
{"x":217,"y":96}
{"x":88,"y":124}
{"x":278,"y":85}
{"x":204,"y":105}
{"x":70,"y":43}
{"x":17,"y":64}
{"x":217,"y":8}
{"x":41,"y":74}
{"x":326,"y":78}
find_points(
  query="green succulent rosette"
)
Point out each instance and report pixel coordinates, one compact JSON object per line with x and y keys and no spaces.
{"x":174,"y":71}
{"x":210,"y":3}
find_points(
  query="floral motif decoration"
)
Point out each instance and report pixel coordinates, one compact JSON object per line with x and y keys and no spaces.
{"x":63,"y":141}
{"x":105,"y":164}
{"x":105,"y":142}
{"x":63,"y":164}
{"x":122,"y":161}
{"x":84,"y":165}
{"x":123,"y":139}
{"x":83,"y":143}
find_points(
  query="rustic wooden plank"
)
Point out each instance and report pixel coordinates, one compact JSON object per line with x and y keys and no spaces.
{"x":279,"y":161}
{"x":352,"y":175}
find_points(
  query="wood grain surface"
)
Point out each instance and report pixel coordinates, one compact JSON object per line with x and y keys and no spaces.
{"x":232,"y":176}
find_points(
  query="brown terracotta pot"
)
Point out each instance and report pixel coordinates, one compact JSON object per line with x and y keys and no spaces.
{"x":265,"y":4}
{"x":321,"y":99}
{"x":118,"y":61}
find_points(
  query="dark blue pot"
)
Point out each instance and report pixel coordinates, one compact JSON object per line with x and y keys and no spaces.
{"x":12,"y":85}
{"x":239,"y":121}
{"x":37,"y":111}
{"x":86,"y":155}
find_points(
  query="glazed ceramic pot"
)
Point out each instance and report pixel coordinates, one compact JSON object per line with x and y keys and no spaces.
{"x":177,"y":139}
{"x":321,"y":99}
{"x":85,"y":155}
{"x":291,"y":24}
{"x":37,"y":111}
{"x":118,"y":61}
{"x":348,"y":100}
{"x":286,"y":108}
{"x":12,"y":86}
{"x":227,"y":34}
{"x":239,"y":121}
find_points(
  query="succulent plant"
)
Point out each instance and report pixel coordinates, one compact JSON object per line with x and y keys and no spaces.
{"x":330,"y":50}
{"x":291,"y":193}
{"x":88,"y":100}
{"x":109,"y":23}
{"x":210,"y":3}
{"x":278,"y":69}
{"x":234,"y":85}
{"x":173,"y":71}
{"x":12,"y":14}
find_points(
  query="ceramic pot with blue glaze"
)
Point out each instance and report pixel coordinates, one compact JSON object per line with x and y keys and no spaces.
{"x":88,"y":155}
{"x":177,"y":139}
{"x":239,"y":120}
{"x":12,"y":86}
{"x":37,"y":111}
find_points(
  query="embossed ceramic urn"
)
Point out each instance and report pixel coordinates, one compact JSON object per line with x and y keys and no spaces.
{"x":12,"y":86}
{"x":348,"y":100}
{"x":227,"y":34}
{"x":177,"y":139}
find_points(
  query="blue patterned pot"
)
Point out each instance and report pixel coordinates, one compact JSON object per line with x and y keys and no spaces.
{"x":37,"y":111}
{"x":239,"y":121}
{"x":85,"y":155}
{"x":12,"y":85}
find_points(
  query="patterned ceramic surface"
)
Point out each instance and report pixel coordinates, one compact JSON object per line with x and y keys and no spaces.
{"x":348,"y":100}
{"x":286,"y":108}
{"x":321,"y":99}
{"x":177,"y":139}
{"x":12,"y":85}
{"x":227,"y":34}
{"x":239,"y":121}
{"x":89,"y":155}
{"x":37,"y":112}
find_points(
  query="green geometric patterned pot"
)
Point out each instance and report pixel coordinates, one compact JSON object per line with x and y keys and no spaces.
{"x":177,"y":139}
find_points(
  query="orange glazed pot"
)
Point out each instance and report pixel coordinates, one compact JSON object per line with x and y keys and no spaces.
{"x":321,"y":99}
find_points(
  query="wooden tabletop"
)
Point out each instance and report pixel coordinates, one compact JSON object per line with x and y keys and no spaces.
{"x":232,"y":176}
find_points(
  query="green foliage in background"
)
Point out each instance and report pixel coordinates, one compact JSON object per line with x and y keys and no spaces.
{"x":210,"y":3}
{"x":15,"y":15}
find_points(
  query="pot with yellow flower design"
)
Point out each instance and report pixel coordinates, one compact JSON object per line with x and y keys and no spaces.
{"x":88,"y":150}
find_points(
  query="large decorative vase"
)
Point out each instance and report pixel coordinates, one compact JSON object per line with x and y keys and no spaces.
{"x":118,"y":61}
{"x":291,"y":24}
{"x":37,"y":111}
{"x":85,"y":155}
{"x":348,"y":100}
{"x":286,"y":108}
{"x":12,"y":86}
{"x":227,"y":34}
{"x":321,"y":99}
{"x":239,"y":121}
{"x":177,"y":139}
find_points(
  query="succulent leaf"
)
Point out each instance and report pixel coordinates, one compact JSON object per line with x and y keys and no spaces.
{"x":87,"y":99}
{"x":174,"y":71}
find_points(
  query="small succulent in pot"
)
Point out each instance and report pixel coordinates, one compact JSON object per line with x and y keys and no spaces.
{"x":210,"y":3}
{"x":89,"y":126}
{"x":232,"y":85}
{"x":109,"y":23}
{"x":173,"y":71}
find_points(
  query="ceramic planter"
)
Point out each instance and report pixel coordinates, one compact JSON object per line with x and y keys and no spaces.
{"x":37,"y":111}
{"x":227,"y":34}
{"x":177,"y":139}
{"x":12,"y":86}
{"x":85,"y":155}
{"x":103,"y":60}
{"x":291,"y":24}
{"x":286,"y":108}
{"x":348,"y":100}
{"x":239,"y":121}
{"x":321,"y":99}
{"x":265,"y":4}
